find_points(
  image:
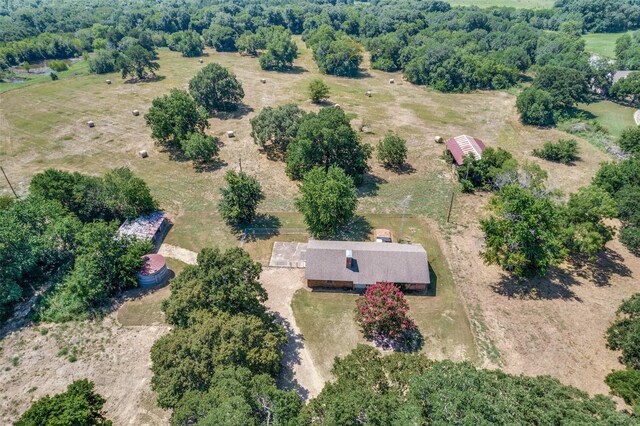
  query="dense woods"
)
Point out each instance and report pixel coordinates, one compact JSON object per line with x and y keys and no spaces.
{"x":62,"y":238}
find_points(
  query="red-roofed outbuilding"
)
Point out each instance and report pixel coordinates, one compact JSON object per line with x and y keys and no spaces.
{"x":463,"y":145}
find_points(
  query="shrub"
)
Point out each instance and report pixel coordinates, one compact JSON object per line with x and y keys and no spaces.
{"x":625,"y":384}
{"x":392,"y":151}
{"x":79,"y":405}
{"x":58,"y":65}
{"x":102,"y":62}
{"x":630,"y":140}
{"x":54,"y":76}
{"x":318,"y":90}
{"x":201,"y":147}
{"x":382,"y":314}
{"x":630,"y":237}
{"x":564,"y":151}
{"x":624,"y":333}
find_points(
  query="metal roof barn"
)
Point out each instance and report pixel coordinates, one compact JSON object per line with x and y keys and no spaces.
{"x":463,"y":145}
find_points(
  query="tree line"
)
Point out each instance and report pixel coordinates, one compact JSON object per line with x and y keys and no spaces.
{"x":448,"y":48}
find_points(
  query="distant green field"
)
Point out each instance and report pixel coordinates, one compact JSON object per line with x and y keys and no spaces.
{"x":611,"y":115}
{"x":603,"y":44}
{"x":528,"y":4}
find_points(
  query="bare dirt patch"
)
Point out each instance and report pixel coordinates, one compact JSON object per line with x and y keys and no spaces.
{"x":557,"y":329}
{"x":39,"y":360}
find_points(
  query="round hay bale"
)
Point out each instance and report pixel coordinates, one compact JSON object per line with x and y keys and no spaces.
{"x":201,"y":60}
{"x":263,"y":80}
{"x":143,"y":153}
{"x":439,"y":139}
{"x":135,"y":112}
{"x":337,"y":106}
{"x":91,"y":124}
{"x":391,"y":81}
{"x":231,"y":134}
{"x":368,"y":93}
{"x":108,"y":81}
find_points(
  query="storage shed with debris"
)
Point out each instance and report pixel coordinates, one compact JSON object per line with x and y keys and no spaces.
{"x":151,"y":227}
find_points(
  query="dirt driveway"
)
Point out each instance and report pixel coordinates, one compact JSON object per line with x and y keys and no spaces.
{"x":299,"y":371}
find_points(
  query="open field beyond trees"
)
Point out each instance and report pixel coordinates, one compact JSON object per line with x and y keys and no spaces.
{"x":529,"y":4}
{"x":477,"y":313}
{"x":602,"y":44}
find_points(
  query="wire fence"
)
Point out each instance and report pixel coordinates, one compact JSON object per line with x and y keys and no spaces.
{"x":271,"y":231}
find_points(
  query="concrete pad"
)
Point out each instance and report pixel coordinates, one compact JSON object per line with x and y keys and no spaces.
{"x":288,"y":255}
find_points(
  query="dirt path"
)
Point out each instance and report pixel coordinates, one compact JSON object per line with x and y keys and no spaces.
{"x":187,"y":256}
{"x":299,"y":371}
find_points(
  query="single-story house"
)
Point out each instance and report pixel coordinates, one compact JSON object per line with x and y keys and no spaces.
{"x":463,"y":145}
{"x":358,"y":265}
{"x":619,"y":75}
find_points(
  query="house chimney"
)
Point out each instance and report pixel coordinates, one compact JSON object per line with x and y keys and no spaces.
{"x":349,"y":256}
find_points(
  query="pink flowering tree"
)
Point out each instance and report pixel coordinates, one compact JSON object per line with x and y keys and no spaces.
{"x":382,"y":314}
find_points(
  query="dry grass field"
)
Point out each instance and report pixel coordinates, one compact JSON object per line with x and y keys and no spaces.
{"x":482,"y":315}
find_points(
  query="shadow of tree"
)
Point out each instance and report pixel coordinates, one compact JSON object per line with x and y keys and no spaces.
{"x":240,"y":112}
{"x":291,"y":358}
{"x":607,"y":264}
{"x":296,"y":69}
{"x":263,"y":227}
{"x":370,"y":185}
{"x":359,"y":229}
{"x":149,"y":79}
{"x":555,"y":285}
{"x":405,"y":169}
{"x":209,"y":166}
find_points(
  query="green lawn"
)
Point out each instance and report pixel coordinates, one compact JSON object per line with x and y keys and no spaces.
{"x":522,"y":4}
{"x":613,"y":116}
{"x":326,"y":319}
{"x":603,"y":44}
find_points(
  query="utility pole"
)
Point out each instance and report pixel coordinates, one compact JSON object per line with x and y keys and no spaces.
{"x":10,"y":186}
{"x":404,"y":204}
{"x":240,"y":164}
{"x":450,"y":205}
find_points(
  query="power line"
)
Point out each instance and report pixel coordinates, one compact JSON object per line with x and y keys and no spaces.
{"x":10,"y":186}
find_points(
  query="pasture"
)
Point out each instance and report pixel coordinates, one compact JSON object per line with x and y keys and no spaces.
{"x":476,"y":314}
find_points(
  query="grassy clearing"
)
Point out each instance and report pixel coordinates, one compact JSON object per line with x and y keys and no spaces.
{"x":520,"y":4}
{"x":76,"y":69}
{"x":326,"y":319}
{"x":602,"y":44}
{"x":613,"y":116}
{"x":44,"y":125}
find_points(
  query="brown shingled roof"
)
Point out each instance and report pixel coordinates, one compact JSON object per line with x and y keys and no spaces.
{"x":373,"y":262}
